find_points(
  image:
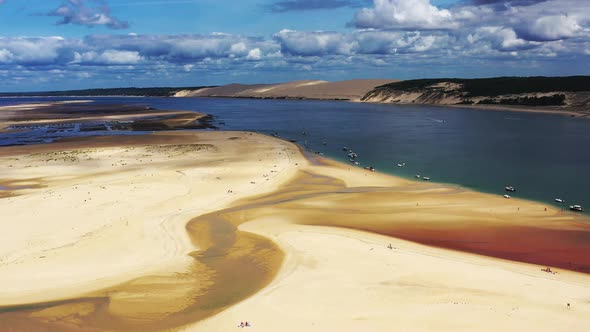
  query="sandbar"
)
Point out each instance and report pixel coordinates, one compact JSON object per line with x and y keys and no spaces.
{"x":199,"y":231}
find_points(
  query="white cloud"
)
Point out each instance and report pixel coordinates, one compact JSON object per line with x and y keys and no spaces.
{"x":531,"y":20}
{"x":499,"y":38}
{"x":78,"y":12}
{"x":120,"y":57}
{"x":107,"y":57}
{"x":238,"y":48}
{"x":32,"y":51}
{"x":404,"y":14}
{"x":548,"y":28}
{"x":314,"y":43}
{"x":84,"y":75}
{"x":254,"y":54}
{"x":5,"y":56}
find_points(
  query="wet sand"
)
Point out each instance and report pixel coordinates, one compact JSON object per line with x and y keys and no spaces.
{"x":571,"y":111}
{"x":94,"y":117}
{"x":341,"y":273}
{"x":146,"y":201}
{"x":211,"y":229}
{"x":160,"y":302}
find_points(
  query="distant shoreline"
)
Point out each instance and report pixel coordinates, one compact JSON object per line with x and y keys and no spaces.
{"x":511,"y":108}
{"x":505,"y":108}
{"x":502,"y":108}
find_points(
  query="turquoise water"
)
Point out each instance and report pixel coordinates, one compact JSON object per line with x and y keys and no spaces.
{"x":544,"y":156}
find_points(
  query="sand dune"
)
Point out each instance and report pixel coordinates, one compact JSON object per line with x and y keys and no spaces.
{"x":199,"y":231}
{"x":349,"y":90}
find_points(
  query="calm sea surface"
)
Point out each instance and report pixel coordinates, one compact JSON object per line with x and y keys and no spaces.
{"x":543,"y":156}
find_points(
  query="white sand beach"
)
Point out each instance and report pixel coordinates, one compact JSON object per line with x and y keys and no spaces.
{"x":104,"y":216}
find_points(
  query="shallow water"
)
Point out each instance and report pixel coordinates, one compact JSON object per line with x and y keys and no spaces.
{"x":542,"y":155}
{"x":231,"y":266}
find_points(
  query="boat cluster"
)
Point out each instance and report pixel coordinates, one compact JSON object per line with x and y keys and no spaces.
{"x":576,"y":207}
{"x":352,"y":157}
{"x":417,"y":176}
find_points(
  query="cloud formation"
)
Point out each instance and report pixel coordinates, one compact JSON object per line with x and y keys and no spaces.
{"x":506,"y":3}
{"x":532,"y":20}
{"x":304,"y":5}
{"x":395,"y":38}
{"x":404,"y":14}
{"x":80,"y":13}
{"x":99,"y":50}
{"x":547,"y":28}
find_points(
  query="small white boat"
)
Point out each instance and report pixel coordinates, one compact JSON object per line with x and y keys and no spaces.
{"x":352,"y":155}
{"x":577,"y":208}
{"x":506,"y":196}
{"x":426,"y":178}
{"x":401,"y":165}
{"x":370,"y":168}
{"x":510,"y":188}
{"x":418,"y":176}
{"x":356,"y":163}
{"x":559,"y":200}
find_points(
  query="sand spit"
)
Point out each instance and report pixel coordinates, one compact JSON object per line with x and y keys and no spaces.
{"x":336,"y":278}
{"x":120,"y":117}
{"x":112,"y":211}
{"x":199,"y":232}
{"x":342,"y":90}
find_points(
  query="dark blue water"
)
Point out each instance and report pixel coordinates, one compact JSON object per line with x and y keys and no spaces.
{"x":544,"y":156}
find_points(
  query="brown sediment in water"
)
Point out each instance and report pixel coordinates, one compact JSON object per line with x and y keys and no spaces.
{"x":566,"y":248}
{"x":231,"y":266}
{"x":556,"y":239}
{"x":553,"y":239}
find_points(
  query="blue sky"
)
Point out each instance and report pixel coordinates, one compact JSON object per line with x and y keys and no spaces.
{"x":65,"y":44}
